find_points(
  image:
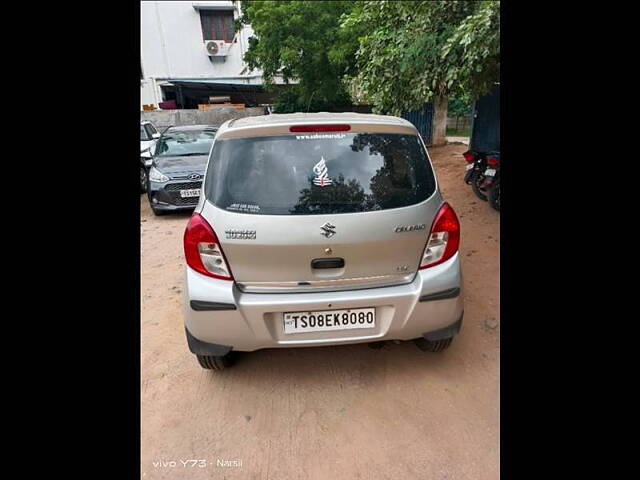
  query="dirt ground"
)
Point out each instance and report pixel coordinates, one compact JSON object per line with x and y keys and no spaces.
{"x":343,"y":412}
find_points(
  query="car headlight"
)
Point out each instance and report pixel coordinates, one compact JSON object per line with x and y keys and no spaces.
{"x":156,"y":175}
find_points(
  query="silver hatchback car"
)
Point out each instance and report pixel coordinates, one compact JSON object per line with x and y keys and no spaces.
{"x":319,"y":229}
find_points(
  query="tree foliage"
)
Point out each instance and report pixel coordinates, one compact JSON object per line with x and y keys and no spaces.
{"x":409,"y":52}
{"x":395,"y":55}
{"x":460,"y":106}
{"x":301,"y":41}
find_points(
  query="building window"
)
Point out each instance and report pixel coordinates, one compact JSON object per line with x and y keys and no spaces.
{"x":217,"y":25}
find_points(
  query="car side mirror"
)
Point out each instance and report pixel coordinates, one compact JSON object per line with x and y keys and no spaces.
{"x":155,"y":135}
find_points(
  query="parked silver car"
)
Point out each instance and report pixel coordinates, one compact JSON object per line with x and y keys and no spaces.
{"x":319,"y":229}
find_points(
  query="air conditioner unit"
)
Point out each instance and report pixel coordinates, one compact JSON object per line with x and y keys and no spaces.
{"x":216,"y":48}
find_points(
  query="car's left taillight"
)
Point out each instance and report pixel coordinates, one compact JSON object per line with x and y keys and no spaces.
{"x":444,"y":238}
{"x":202,"y":249}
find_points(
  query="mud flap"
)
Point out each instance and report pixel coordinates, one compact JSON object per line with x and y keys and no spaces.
{"x":446,"y":332}
{"x":202,"y":348}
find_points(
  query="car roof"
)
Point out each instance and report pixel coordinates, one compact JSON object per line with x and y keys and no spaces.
{"x":289,"y":118}
{"x":275,"y":124}
{"x":186,"y":128}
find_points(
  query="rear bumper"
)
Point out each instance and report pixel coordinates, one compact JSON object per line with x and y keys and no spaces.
{"x":217,"y":313}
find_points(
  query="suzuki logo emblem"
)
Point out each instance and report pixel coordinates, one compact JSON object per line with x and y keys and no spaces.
{"x":328,"y":230}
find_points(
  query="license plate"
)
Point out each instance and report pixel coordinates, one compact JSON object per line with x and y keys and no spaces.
{"x":326,"y":320}
{"x":469,"y":167}
{"x":193,"y":192}
{"x":489,"y":172}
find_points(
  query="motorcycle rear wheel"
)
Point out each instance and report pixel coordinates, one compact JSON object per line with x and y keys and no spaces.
{"x":494,"y":197}
{"x":475,"y":186}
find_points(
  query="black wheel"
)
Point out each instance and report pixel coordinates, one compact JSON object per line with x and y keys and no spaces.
{"x":494,"y":197}
{"x":211,"y":362}
{"x":437,"y":346}
{"x":143,"y":180}
{"x":475,"y":186}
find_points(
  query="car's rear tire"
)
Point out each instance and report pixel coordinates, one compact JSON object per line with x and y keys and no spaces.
{"x":494,"y":197}
{"x":475,"y":186}
{"x":437,"y":346}
{"x":211,"y":362}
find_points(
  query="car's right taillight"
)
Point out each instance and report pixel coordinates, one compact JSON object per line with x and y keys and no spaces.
{"x":492,"y":161}
{"x":202,"y":249}
{"x":469,"y":156}
{"x":444,"y":238}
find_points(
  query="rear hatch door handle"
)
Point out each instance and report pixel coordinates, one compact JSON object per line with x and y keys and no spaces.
{"x":327,"y":263}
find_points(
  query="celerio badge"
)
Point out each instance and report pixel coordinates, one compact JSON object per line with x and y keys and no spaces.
{"x":410,"y":228}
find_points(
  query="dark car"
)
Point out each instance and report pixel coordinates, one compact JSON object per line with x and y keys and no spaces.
{"x":177,"y":168}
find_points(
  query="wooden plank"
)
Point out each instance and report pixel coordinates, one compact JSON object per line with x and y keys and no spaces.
{"x":208,"y":106}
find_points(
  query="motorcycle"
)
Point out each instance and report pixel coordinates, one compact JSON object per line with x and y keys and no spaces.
{"x":494,"y":194}
{"x":483,"y":174}
{"x":473,"y":165}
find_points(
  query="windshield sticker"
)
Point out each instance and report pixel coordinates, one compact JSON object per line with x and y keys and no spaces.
{"x":322,"y":177}
{"x":320,"y":135}
{"x":244,"y":207}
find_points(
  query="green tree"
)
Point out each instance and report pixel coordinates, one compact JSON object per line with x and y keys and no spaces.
{"x":303,"y":42}
{"x":413,"y":52}
{"x":460,"y":106}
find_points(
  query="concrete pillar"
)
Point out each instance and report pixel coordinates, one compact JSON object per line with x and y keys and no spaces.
{"x":439,"y":132}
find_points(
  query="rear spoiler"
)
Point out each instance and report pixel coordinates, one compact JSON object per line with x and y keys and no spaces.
{"x":285,"y":129}
{"x":211,"y":127}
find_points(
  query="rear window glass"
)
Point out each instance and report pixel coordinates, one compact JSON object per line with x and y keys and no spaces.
{"x":185,"y":143}
{"x":318,"y":173}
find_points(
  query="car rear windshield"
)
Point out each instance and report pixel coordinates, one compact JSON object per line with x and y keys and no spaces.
{"x":318,"y":173}
{"x":185,"y":143}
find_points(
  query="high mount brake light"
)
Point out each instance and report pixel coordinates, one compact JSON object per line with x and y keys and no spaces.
{"x":444,"y":238}
{"x":320,"y":128}
{"x":202,"y":249}
{"x":468,"y":156}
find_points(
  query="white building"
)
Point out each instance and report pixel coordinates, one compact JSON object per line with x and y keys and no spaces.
{"x":175,"y":61}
